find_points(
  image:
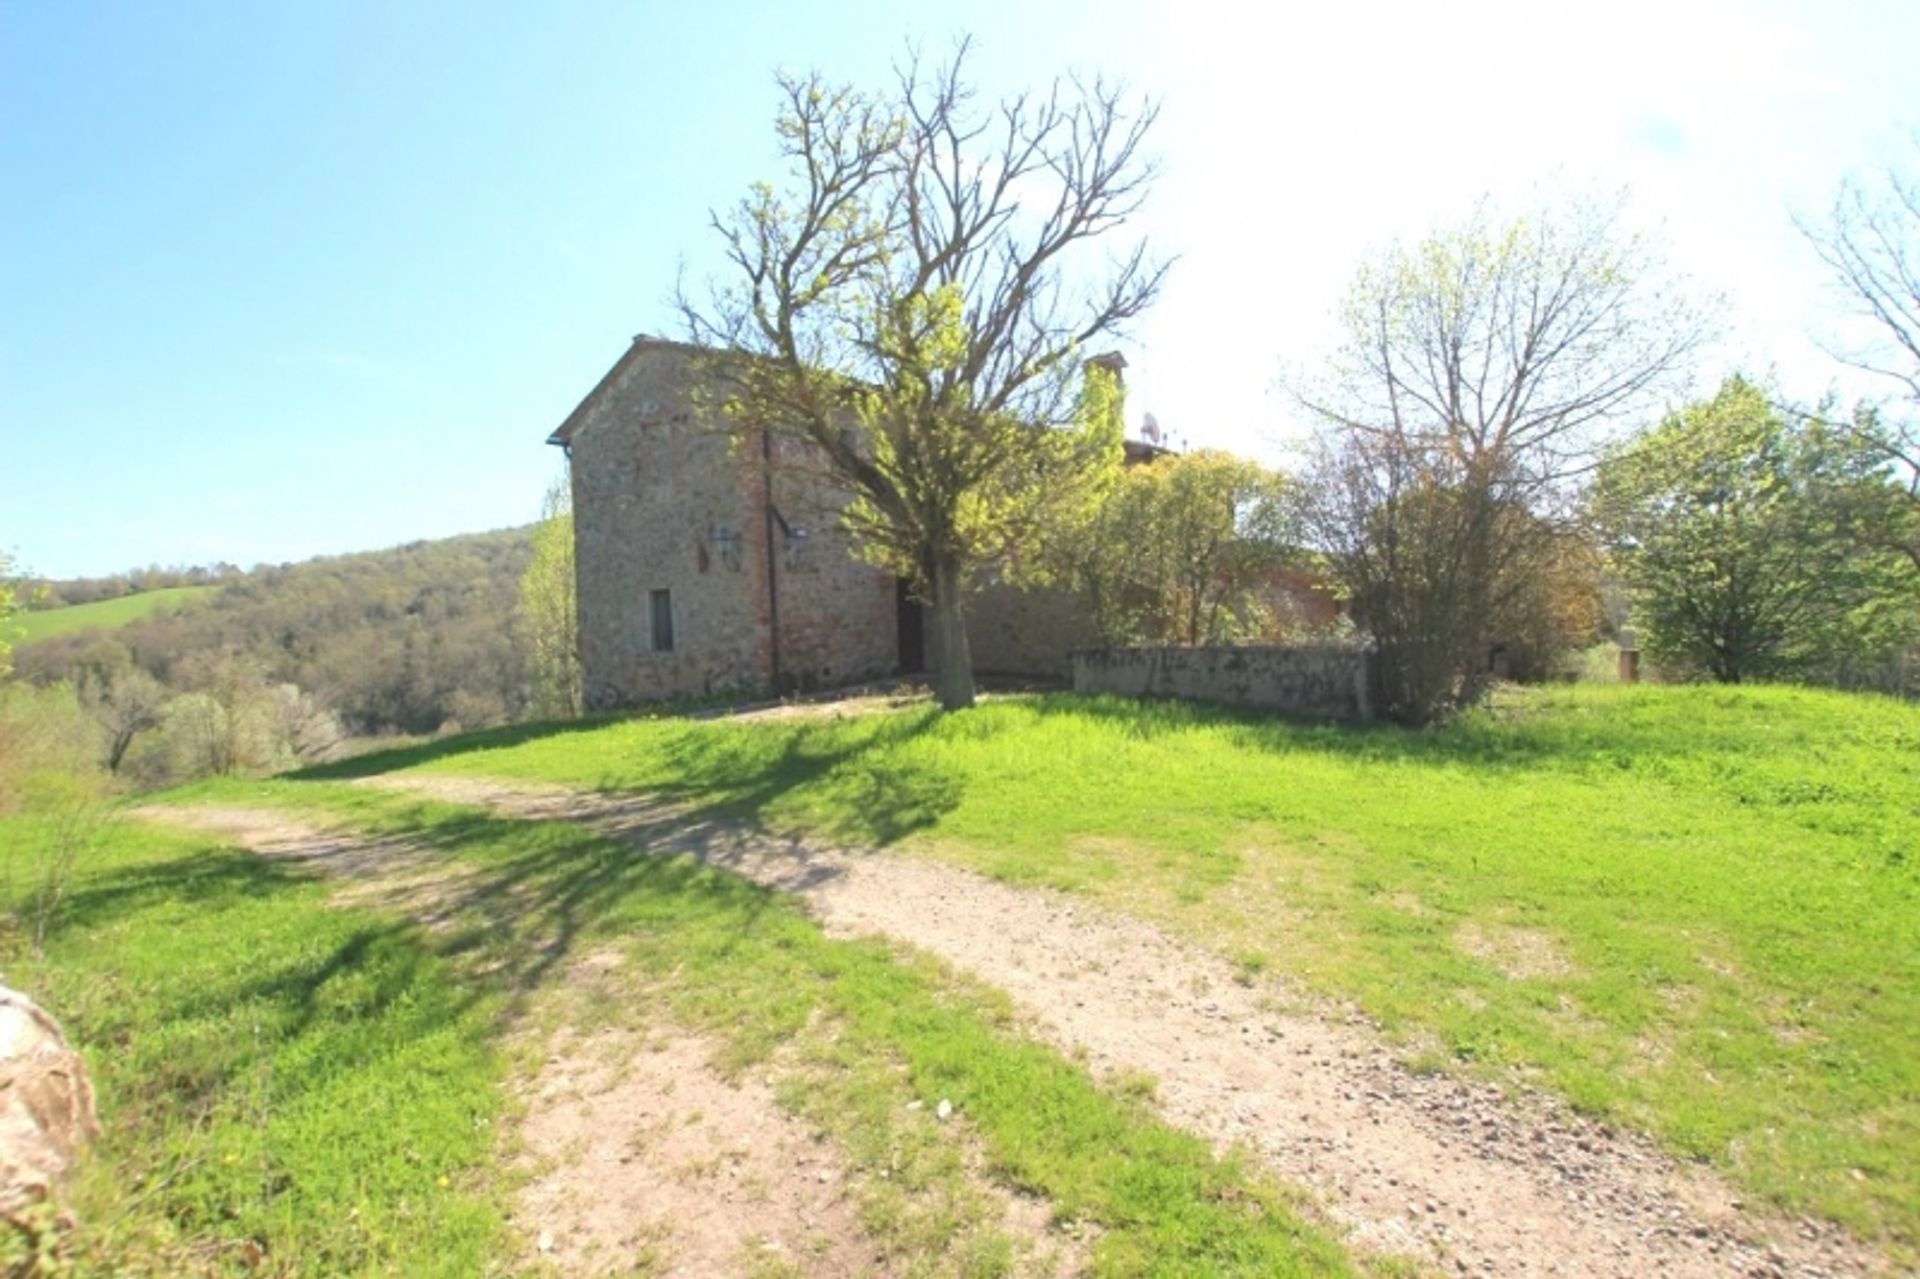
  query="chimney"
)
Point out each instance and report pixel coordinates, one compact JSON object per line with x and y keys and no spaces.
{"x":1112,"y":362}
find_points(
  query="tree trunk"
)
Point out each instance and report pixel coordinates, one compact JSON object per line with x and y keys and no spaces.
{"x":952,"y":657}
{"x":118,"y":746}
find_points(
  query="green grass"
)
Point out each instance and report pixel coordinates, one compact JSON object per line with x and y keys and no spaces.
{"x":1694,"y":910}
{"x":105,"y":615}
{"x":856,"y":1030}
{"x":274,"y":1073}
{"x":294,"y":1087}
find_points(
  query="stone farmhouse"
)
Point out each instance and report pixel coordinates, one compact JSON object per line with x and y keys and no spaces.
{"x":709,"y":563}
{"x":712,"y":564}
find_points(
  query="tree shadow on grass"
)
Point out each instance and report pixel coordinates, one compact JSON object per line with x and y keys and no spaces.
{"x":728,"y":773}
{"x":530,"y":899}
{"x":864,"y":775}
{"x":195,"y":976}
{"x":158,"y":937}
{"x":487,"y":739}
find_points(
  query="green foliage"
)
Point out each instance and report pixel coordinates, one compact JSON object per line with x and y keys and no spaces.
{"x":1184,"y":550}
{"x":52,"y":804}
{"x":110,"y":614}
{"x":1740,"y":533}
{"x":74,"y":591}
{"x":287,"y":1087}
{"x":45,"y":739}
{"x":548,"y":611}
{"x":1870,"y":245}
{"x":1728,"y":875}
{"x":407,"y":640}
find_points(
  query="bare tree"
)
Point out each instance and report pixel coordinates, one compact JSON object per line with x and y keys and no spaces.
{"x":1514,"y":346}
{"x":1870,"y":244}
{"x":1480,"y":371}
{"x":917,"y":300}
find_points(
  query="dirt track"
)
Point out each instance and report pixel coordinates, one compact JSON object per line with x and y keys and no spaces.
{"x":1454,"y":1174}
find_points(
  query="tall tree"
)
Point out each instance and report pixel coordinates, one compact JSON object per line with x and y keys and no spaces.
{"x":916,"y":299}
{"x":1479,"y":372}
{"x":1731,"y":522}
{"x":1870,"y":244}
{"x":548,"y":608}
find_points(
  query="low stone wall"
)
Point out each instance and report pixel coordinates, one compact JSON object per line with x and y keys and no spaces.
{"x":1321,"y":681}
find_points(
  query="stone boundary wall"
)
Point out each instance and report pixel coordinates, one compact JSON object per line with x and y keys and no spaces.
{"x":1321,"y":681}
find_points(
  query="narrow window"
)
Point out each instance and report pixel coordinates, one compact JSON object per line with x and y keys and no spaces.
{"x":663,"y":621}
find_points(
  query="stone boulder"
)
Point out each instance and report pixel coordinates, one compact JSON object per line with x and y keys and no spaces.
{"x":46,"y":1105}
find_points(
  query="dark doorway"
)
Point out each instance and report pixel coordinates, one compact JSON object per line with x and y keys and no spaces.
{"x":913,"y":630}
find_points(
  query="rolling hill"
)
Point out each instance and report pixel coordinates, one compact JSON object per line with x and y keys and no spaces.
{"x":411,"y":639}
{"x":106,"y":615}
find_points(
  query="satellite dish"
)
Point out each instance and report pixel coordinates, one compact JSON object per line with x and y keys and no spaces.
{"x":1150,"y":429}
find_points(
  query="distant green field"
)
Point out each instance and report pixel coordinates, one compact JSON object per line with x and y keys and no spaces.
{"x":105,"y":615}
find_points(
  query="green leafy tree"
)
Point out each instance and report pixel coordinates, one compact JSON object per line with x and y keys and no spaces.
{"x":548,"y":609}
{"x":1184,"y":550}
{"x":1737,"y":529}
{"x":914,"y":303}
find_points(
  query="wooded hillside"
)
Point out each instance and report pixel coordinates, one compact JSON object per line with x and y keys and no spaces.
{"x":406,"y":640}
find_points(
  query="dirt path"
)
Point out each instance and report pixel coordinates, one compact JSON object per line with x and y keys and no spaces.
{"x":638,"y":1157}
{"x":641,"y":1159}
{"x":1453,"y":1173}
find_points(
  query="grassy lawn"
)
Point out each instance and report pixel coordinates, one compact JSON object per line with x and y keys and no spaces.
{"x":105,"y":615}
{"x":1695,"y":910}
{"x":286,"y":1087}
{"x":291,"y":1087}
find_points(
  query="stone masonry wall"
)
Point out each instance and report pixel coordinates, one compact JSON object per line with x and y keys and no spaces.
{"x":1027,"y":633}
{"x":1321,"y":681}
{"x":838,"y":623}
{"x":663,"y":500}
{"x":660,"y":504}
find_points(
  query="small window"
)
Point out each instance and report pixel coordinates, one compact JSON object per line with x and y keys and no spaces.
{"x":663,"y":621}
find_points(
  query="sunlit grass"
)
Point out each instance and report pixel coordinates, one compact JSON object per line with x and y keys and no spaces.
{"x":857,"y":1031}
{"x":293,"y":1086}
{"x":1696,"y":910}
{"x":285,"y":1087}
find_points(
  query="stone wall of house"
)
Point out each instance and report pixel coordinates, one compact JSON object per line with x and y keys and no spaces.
{"x":660,"y":503}
{"x":664,"y":500}
{"x":838,"y":623}
{"x":1031,"y":634}
{"x":1320,"y":681}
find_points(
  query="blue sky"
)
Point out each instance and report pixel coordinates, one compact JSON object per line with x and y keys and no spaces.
{"x":287,"y":279}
